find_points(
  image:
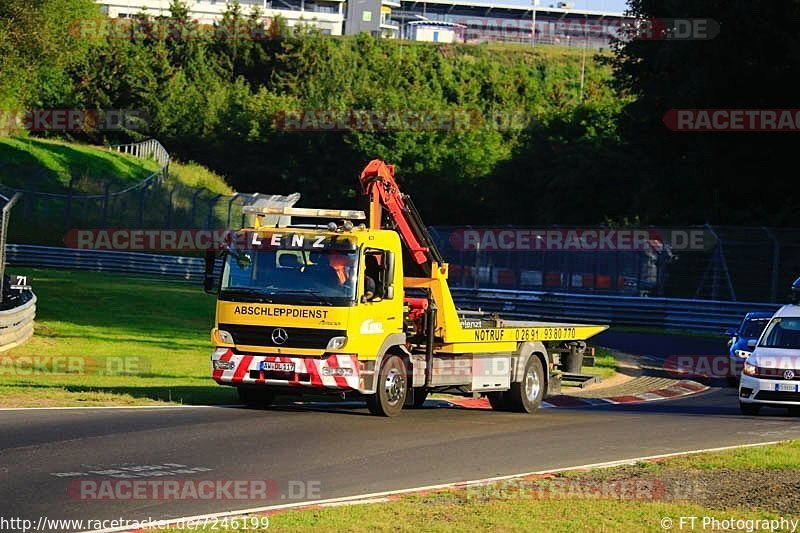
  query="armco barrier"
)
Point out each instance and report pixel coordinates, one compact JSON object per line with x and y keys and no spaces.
{"x":662,"y":313}
{"x":16,"y":325}
{"x":669,"y":313}
{"x":188,"y":268}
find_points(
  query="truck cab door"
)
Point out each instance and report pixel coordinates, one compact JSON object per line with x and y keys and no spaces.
{"x":379,"y":299}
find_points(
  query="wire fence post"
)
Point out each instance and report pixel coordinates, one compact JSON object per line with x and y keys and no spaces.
{"x":212,"y":202}
{"x":141,"y":206}
{"x":194,"y":204}
{"x":6,"y":214}
{"x":170,"y":208}
{"x":776,"y":264}
{"x":106,"y":193}
{"x":68,"y":206}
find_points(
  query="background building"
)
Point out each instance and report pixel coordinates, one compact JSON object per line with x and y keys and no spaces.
{"x":482,"y":21}
{"x":327,"y":15}
{"x":493,"y":21}
{"x":435,"y":31}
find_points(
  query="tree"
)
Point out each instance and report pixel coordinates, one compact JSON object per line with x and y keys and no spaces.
{"x":729,"y":178}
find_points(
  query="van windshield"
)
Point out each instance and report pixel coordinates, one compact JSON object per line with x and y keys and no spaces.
{"x":782,"y":333}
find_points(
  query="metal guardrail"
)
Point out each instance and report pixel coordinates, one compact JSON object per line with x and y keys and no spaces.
{"x":187,"y":268}
{"x":669,"y":313}
{"x":662,"y":313}
{"x":16,"y":325}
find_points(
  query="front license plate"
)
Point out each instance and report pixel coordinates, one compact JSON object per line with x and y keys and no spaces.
{"x":272,"y":366}
{"x":785,"y":387}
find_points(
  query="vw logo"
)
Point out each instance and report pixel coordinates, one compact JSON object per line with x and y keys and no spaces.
{"x":789,"y":374}
{"x":279,"y":336}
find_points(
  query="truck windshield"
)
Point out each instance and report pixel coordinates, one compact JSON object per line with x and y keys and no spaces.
{"x":291,"y":276}
{"x":782,"y":333}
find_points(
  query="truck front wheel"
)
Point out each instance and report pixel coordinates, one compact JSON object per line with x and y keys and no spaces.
{"x":526,"y":395}
{"x":390,"y":394}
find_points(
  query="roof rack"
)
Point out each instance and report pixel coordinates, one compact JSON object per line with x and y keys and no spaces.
{"x":305,"y":212}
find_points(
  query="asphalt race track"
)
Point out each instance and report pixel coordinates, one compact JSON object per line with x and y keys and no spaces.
{"x":332,"y":452}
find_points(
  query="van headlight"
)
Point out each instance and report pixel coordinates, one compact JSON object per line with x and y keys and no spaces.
{"x":743,"y":354}
{"x":749,"y":369}
{"x":337,"y":343}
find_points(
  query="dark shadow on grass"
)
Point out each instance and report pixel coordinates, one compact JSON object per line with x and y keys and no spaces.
{"x":186,"y":394}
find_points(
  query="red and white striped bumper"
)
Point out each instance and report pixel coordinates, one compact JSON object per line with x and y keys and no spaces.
{"x":334,"y":371}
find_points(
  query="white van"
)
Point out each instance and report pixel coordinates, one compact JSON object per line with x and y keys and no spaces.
{"x":771,"y":375}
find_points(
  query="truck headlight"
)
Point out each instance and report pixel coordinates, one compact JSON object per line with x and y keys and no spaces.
{"x":337,"y":343}
{"x":225,"y":336}
{"x":749,"y":369}
{"x":743,"y":354}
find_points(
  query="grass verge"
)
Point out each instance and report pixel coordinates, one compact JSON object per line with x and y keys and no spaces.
{"x":48,"y":166}
{"x":574,"y":501}
{"x":104,"y":339}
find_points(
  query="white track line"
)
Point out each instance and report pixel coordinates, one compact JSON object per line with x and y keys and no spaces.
{"x":382,"y":496}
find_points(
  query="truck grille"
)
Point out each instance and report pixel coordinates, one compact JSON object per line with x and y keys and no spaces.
{"x":308,"y":338}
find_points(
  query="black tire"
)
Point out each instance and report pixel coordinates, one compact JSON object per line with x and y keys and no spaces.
{"x":256,"y":398}
{"x":526,"y":396}
{"x":497,"y":400}
{"x":420,"y":395}
{"x":733,"y":381}
{"x":749,"y":408}
{"x":794,"y":410}
{"x":391,"y":389}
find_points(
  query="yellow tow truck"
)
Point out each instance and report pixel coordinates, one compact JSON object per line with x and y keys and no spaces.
{"x":358,"y":304}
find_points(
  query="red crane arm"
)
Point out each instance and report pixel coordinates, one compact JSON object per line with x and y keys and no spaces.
{"x":379,"y":184}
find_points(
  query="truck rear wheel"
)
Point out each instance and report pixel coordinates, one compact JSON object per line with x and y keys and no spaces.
{"x":526,"y":395}
{"x":253,"y":397}
{"x":390,"y":394}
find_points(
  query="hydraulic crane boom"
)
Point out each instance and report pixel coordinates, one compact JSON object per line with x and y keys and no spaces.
{"x":377,"y":180}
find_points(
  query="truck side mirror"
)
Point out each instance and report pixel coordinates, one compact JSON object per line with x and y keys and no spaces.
{"x":388,"y":290}
{"x":209,"y":280}
{"x":752,"y":343}
{"x":731,"y":332}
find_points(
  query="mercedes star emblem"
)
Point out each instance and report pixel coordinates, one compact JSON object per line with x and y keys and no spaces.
{"x":279,"y":336}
